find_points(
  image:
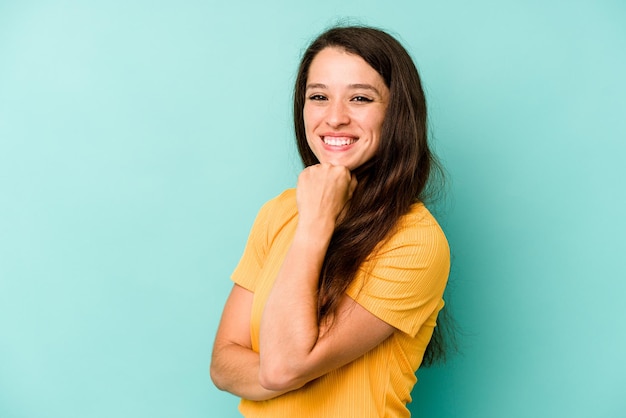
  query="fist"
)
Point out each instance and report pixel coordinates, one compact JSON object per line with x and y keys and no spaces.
{"x":323,"y":191}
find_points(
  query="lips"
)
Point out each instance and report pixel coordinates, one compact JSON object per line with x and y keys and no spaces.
{"x":338,"y":141}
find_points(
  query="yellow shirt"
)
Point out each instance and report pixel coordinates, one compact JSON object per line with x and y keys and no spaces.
{"x":402,"y":283}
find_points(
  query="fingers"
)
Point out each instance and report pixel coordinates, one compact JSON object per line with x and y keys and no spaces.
{"x":327,"y":176}
{"x":353,"y":184}
{"x":323,"y":190}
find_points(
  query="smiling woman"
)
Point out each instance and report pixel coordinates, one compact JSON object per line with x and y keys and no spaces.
{"x":336,"y":296}
{"x":345,"y":108}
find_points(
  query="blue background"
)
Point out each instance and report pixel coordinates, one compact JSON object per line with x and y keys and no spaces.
{"x":138,"y":139}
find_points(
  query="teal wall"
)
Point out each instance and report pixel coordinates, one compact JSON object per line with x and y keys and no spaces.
{"x":139,"y":138}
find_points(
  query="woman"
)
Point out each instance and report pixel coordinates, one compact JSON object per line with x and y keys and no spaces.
{"x":337,"y":292}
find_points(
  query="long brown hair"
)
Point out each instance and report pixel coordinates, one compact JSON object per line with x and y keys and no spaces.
{"x":395,"y":178}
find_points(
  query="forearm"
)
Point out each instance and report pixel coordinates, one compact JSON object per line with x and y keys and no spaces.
{"x":289,"y":326}
{"x":235,"y":369}
{"x":290,"y":332}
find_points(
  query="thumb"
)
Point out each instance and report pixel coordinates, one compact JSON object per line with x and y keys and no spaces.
{"x":352,"y":186}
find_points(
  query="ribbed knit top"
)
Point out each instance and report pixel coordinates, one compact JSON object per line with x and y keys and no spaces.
{"x":402,"y":283}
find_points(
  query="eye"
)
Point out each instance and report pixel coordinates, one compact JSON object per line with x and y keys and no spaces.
{"x":317,"y":97}
{"x":361,"y":99}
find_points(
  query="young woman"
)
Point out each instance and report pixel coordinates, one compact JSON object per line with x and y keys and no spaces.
{"x":337,"y":293}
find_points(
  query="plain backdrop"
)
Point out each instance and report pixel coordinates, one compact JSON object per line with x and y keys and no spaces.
{"x":138,"y":139}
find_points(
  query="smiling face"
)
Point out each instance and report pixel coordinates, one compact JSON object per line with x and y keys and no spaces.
{"x":345,"y":105}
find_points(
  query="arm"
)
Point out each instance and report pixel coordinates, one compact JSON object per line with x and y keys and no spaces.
{"x":294,"y":348}
{"x":234,"y":365}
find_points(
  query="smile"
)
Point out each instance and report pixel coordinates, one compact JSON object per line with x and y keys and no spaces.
{"x":338,"y":141}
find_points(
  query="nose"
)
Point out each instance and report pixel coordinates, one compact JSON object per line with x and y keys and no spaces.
{"x":337,"y":114}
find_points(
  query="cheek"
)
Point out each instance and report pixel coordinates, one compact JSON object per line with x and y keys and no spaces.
{"x":378,"y":125}
{"x":374,"y":124}
{"x":308,"y":116}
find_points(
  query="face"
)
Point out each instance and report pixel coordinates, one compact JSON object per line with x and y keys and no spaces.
{"x":344,"y":109}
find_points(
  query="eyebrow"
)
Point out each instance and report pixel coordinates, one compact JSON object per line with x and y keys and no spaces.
{"x":361,"y":86}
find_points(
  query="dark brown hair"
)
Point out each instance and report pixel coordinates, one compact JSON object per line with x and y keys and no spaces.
{"x":395,"y":178}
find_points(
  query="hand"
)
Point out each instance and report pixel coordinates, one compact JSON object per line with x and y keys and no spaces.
{"x":323,"y":191}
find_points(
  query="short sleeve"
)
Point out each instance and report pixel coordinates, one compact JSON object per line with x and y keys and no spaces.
{"x":254,"y":254}
{"x":270,"y":220}
{"x":403,"y":282}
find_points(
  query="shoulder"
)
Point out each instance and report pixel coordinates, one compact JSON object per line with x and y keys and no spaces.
{"x":418,"y":228}
{"x":270,"y":221}
{"x":403,"y":280}
{"x":286,"y":198}
{"x":283,"y":204}
{"x":418,"y":217}
{"x":278,"y":211}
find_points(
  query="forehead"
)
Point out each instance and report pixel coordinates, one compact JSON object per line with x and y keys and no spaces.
{"x":333,"y":63}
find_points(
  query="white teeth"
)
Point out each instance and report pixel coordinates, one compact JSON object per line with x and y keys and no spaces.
{"x":338,"y":141}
